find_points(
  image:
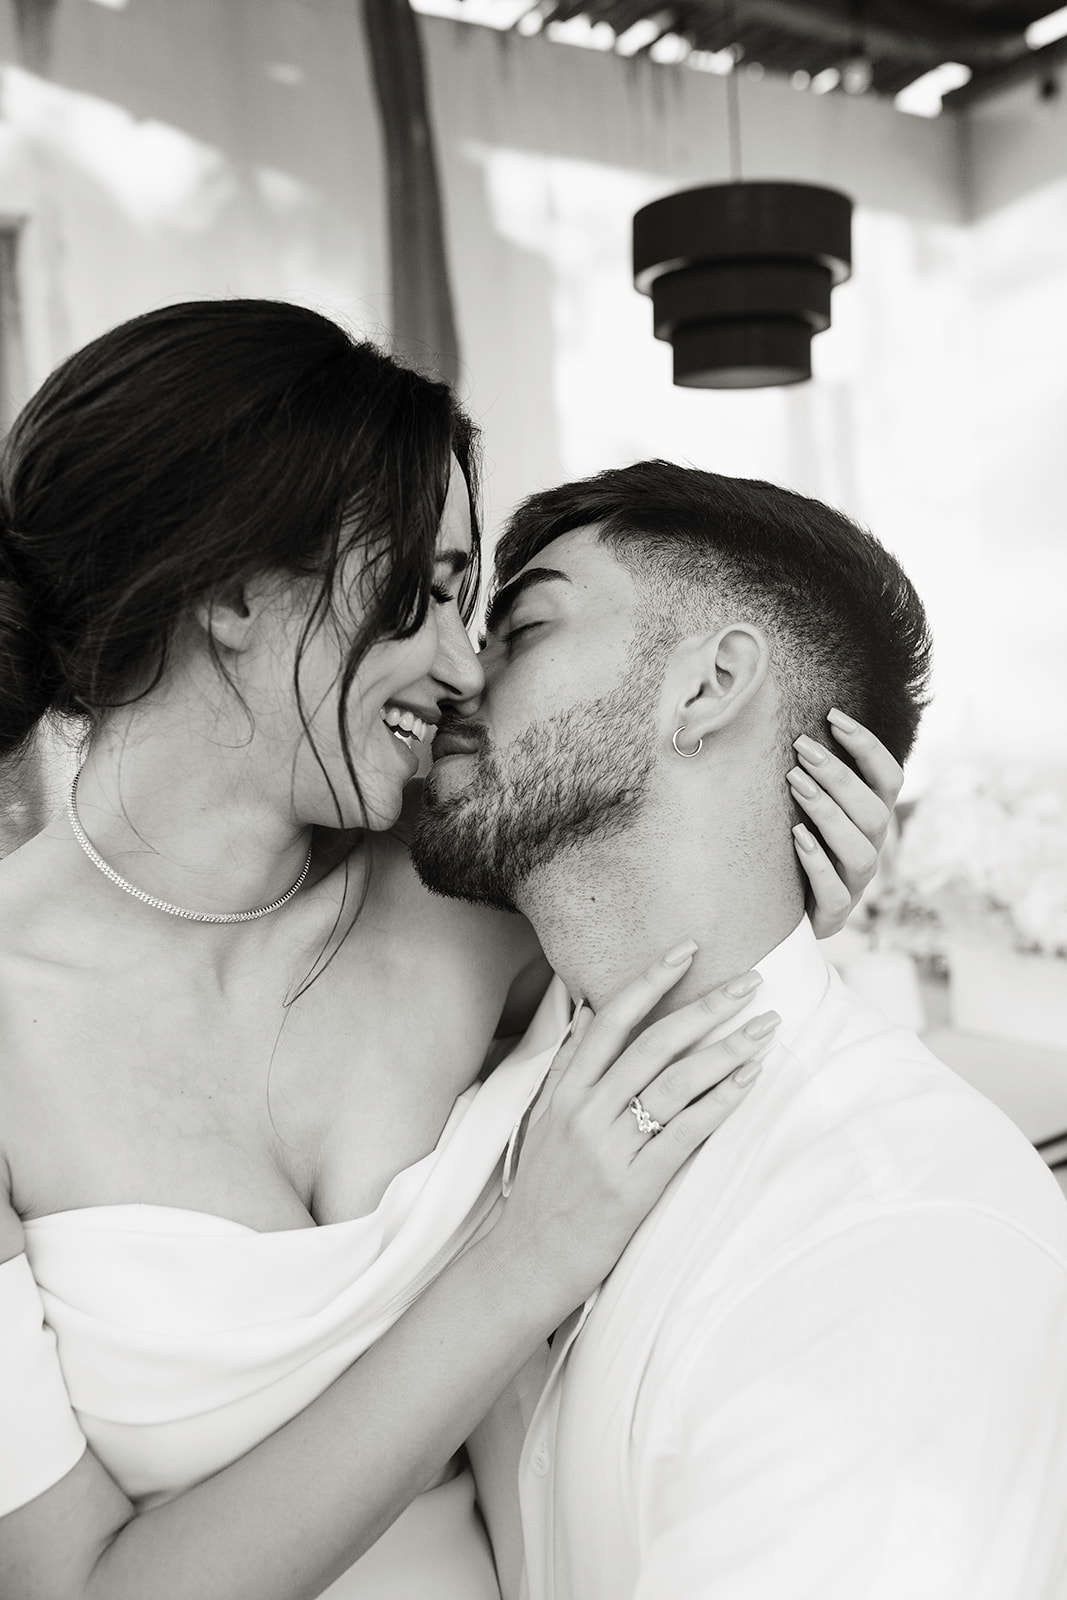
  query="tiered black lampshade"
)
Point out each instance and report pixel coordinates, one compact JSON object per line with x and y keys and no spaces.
{"x":740,"y":277}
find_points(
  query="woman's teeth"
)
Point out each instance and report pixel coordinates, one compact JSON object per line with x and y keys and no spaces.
{"x":404,"y":725}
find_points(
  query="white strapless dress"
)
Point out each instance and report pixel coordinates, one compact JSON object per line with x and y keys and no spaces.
{"x":184,"y":1339}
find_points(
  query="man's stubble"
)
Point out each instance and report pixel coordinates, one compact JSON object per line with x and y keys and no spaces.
{"x":579,"y":777}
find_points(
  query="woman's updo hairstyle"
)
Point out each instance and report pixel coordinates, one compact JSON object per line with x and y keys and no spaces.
{"x":189,"y":450}
{"x":26,"y":684}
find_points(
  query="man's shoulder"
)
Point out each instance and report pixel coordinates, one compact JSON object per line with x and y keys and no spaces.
{"x":867,"y":1096}
{"x":844,"y":1023}
{"x":855,"y":1121}
{"x":861,"y":1186}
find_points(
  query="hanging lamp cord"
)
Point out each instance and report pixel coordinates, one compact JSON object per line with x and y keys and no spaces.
{"x":733,"y":99}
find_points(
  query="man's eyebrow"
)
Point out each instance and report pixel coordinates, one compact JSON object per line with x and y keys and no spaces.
{"x":456,"y":561}
{"x":507,"y":597}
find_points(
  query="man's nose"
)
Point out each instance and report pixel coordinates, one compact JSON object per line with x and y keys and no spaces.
{"x":457,"y":667}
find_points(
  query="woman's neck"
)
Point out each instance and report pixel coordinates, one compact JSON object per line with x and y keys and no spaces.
{"x":189,"y":813}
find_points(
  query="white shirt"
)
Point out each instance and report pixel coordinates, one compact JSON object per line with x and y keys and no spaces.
{"x":831,"y":1364}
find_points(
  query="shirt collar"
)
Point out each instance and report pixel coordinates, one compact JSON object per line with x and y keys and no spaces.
{"x":795,"y":978}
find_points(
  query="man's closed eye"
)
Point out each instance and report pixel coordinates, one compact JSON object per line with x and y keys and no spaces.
{"x":498,"y":636}
{"x":517,"y":632}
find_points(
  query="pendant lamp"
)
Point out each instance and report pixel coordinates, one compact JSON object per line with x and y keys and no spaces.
{"x":740,"y":276}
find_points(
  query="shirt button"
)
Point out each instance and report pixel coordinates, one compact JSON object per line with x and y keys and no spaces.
{"x":539,"y":1461}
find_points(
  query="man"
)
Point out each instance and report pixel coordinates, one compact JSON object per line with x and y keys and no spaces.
{"x":833,"y":1360}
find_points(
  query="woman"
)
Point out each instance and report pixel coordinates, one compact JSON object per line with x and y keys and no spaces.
{"x":250,"y":1170}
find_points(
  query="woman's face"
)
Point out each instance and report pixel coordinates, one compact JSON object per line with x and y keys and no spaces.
{"x":395,"y":699}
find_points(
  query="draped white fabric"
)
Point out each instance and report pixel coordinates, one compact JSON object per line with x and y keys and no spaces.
{"x":185,"y":1338}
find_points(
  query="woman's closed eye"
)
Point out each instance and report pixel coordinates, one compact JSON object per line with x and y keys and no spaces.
{"x":441,"y":593}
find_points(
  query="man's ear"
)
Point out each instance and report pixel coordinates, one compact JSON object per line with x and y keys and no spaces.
{"x":718,"y":675}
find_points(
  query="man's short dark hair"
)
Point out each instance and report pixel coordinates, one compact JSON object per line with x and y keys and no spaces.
{"x":844,"y":625}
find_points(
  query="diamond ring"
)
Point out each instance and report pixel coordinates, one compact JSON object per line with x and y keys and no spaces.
{"x":645,"y":1123}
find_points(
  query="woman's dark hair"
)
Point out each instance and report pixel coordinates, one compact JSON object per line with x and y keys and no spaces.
{"x":185,"y":452}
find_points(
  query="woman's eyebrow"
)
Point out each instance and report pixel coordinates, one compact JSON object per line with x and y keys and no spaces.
{"x":505,"y":598}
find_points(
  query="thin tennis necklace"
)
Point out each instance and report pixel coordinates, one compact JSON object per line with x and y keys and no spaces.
{"x":165,"y":905}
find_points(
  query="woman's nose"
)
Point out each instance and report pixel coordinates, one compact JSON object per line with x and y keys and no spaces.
{"x":457,"y":667}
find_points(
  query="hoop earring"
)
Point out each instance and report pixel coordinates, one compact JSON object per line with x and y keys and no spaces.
{"x":686,"y":755}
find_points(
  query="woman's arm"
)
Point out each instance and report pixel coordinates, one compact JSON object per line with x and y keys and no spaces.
{"x":287,"y":1518}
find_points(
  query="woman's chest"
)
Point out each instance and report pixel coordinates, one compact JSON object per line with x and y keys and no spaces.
{"x":275,"y":1112}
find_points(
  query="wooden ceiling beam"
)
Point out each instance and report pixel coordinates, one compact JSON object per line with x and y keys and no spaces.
{"x":901,"y":38}
{"x":890,"y":28}
{"x":1048,"y":62}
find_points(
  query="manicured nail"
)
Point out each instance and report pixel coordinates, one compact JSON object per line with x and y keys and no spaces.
{"x":748,"y":1073}
{"x":743,"y":985}
{"x":760,"y":1027}
{"x":809,"y":749}
{"x":839,"y":720}
{"x":681,"y":952}
{"x":802,"y":783}
{"x":804,"y":838}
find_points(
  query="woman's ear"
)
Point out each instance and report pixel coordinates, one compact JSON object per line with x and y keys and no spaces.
{"x":721,"y":674}
{"x":231,"y":614}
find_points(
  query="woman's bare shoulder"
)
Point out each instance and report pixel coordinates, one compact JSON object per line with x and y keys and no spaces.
{"x":40,"y":929}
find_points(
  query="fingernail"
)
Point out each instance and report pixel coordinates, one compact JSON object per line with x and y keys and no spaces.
{"x":748,"y":1073}
{"x":839,"y":720}
{"x":743,"y":985}
{"x":760,"y":1027}
{"x":802,"y":783}
{"x":804,"y":838}
{"x":809,"y":749}
{"x":680,"y":953}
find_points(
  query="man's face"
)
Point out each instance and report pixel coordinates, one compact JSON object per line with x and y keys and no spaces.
{"x":562,"y":745}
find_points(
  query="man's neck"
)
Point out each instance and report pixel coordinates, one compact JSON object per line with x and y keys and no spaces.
{"x":605,"y":910}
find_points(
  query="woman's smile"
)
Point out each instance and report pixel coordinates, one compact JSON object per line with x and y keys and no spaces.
{"x":409,"y":729}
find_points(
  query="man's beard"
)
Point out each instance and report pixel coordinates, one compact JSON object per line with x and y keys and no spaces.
{"x":579,"y":777}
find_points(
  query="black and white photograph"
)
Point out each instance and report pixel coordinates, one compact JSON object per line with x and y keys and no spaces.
{"x":533,"y":800}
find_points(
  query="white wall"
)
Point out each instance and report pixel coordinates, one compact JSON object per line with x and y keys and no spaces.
{"x":1013,"y":145}
{"x":515,"y":116}
{"x":202,"y":149}
{"x":190,"y":149}
{"x":940,"y":394}
{"x":588,"y":105}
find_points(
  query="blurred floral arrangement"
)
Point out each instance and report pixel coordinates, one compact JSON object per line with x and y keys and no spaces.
{"x":982,"y":853}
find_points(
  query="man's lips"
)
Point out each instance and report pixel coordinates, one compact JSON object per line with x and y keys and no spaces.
{"x":451,"y":742}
